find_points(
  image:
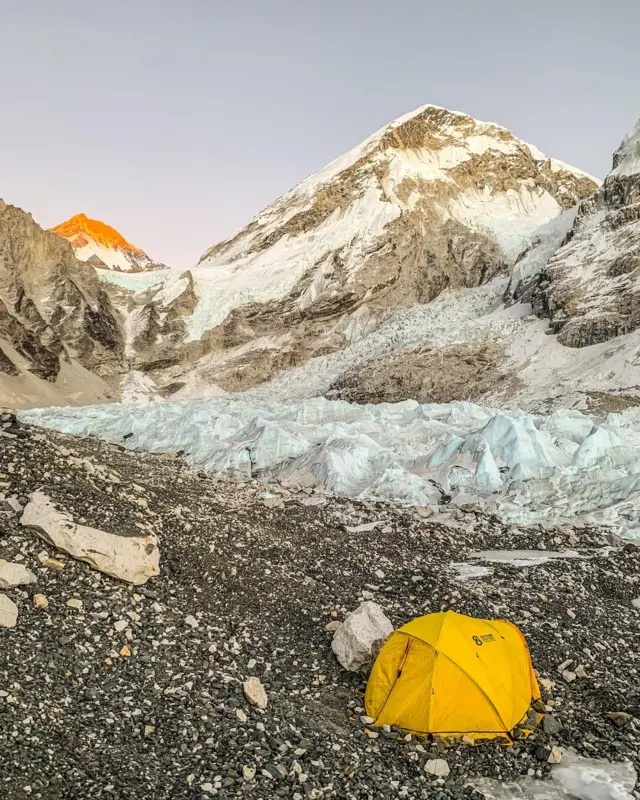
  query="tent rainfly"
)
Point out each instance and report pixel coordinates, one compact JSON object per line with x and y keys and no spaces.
{"x":453,"y":675}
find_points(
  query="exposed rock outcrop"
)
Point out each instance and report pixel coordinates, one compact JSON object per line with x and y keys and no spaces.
{"x":454,"y":372}
{"x":52,"y":308}
{"x":590,"y":286}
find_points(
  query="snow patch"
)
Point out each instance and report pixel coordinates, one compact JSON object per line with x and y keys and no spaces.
{"x":510,"y":217}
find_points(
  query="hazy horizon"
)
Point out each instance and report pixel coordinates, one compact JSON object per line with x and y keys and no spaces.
{"x":177,"y":124}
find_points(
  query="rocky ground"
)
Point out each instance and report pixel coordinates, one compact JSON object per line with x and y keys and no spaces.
{"x":114,"y":691}
{"x":428,"y":375}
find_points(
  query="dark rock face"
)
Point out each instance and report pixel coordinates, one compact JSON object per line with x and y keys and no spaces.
{"x":590,"y":288}
{"x":52,"y":307}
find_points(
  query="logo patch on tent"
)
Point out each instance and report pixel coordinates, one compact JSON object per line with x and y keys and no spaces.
{"x":486,"y":637}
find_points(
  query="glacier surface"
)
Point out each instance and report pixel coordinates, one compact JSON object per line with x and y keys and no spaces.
{"x":527,"y":468}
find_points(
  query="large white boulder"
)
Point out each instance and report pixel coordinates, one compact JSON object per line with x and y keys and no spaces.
{"x":8,"y":612}
{"x":133,"y":559}
{"x":12,"y":575}
{"x":358,"y":640}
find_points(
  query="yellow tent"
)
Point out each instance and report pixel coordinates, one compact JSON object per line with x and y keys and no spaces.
{"x":453,"y":675}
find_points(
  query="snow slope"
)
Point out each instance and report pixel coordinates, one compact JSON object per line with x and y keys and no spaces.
{"x":531,"y":469}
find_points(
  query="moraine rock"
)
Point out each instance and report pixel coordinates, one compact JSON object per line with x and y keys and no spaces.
{"x":8,"y":612}
{"x":359,"y":639}
{"x":437,"y":767}
{"x":130,"y":558}
{"x":12,"y":575}
{"x":255,"y":693}
{"x":40,"y":601}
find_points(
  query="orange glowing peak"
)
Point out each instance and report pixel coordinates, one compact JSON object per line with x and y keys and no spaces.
{"x":82,"y":226}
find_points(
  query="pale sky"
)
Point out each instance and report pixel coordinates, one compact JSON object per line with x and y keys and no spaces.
{"x":176,"y":121}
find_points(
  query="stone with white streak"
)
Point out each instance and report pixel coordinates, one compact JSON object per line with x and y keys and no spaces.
{"x":12,"y":575}
{"x":358,"y":640}
{"x":132,"y":559}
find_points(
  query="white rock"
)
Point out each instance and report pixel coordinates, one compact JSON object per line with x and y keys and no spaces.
{"x":636,"y":602}
{"x":14,"y":504}
{"x":437,"y":767}
{"x":12,"y":575}
{"x":240,"y":714}
{"x":255,"y":693}
{"x":248,"y":772}
{"x":546,"y":684}
{"x":568,"y":675}
{"x":580,"y":671}
{"x":555,"y":756}
{"x":75,"y":602}
{"x":8,"y":612}
{"x":191,"y":621}
{"x":121,"y":625}
{"x":358,"y":640}
{"x":130,"y":558}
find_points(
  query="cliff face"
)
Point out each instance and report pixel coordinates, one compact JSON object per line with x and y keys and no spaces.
{"x":52,"y":308}
{"x":590,"y":286}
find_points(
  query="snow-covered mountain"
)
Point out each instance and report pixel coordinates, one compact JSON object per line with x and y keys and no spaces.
{"x":102,"y":246}
{"x":432,"y":201}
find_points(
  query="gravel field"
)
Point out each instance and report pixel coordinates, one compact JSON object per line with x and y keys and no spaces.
{"x":137,"y":692}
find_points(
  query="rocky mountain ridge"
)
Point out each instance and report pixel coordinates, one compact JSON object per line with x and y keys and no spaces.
{"x":56,"y":319}
{"x":434,"y":205}
{"x":590,"y":287}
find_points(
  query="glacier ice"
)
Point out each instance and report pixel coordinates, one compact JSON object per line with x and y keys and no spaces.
{"x":576,"y":778}
{"x":529,"y":469}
